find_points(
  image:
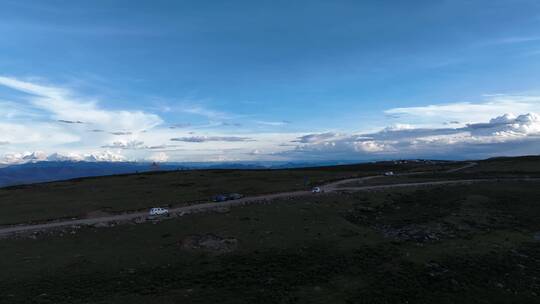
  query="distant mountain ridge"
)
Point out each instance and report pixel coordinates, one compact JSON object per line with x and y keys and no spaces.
{"x":54,"y":170}
{"x":45,"y":171}
{"x":40,"y":156}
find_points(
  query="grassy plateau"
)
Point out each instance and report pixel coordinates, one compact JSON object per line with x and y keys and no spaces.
{"x":473,"y":243}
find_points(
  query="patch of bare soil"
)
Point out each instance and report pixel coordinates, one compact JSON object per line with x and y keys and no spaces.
{"x":209,"y":243}
{"x":418,"y":233}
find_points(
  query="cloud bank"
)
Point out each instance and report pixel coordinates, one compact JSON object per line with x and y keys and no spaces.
{"x":503,"y":135}
{"x":67,"y":126}
{"x":467,"y":112}
{"x":201,"y":139}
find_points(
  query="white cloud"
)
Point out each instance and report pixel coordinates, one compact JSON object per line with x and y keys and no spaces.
{"x":202,"y":111}
{"x":160,"y":157}
{"x":512,"y":40}
{"x":35,"y":133}
{"x":255,"y":152}
{"x":467,"y":112}
{"x":502,"y":135}
{"x":66,"y":157}
{"x":508,"y":125}
{"x":66,"y":126}
{"x":51,"y":118}
{"x":64,"y":106}
{"x":398,"y":127}
{"x":273,"y":123}
{"x":14,"y":110}
{"x":127,"y":144}
{"x":370,"y":146}
{"x":319,"y":138}
{"x":104,"y":156}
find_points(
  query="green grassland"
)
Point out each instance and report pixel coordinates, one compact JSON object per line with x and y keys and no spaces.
{"x":511,"y":164}
{"x":524,"y":165}
{"x":390,"y":180}
{"x":452,"y":244}
{"x":81,"y":197}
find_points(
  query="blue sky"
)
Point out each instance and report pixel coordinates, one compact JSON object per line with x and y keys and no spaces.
{"x":249,"y":80}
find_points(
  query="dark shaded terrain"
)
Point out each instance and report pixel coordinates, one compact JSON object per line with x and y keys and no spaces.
{"x":477,"y":243}
{"x":60,"y":170}
{"x":129,"y":192}
{"x":48,"y":171}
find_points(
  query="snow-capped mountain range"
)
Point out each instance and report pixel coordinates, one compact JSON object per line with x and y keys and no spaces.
{"x":39,"y":156}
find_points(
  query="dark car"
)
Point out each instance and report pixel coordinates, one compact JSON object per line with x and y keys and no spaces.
{"x":227,"y":197}
{"x":219,"y":198}
{"x":234,"y":196}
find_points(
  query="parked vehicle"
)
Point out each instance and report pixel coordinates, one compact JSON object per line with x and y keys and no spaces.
{"x":219,"y":198}
{"x":389,"y":173}
{"x":234,"y":196}
{"x":227,"y":197}
{"x":316,"y":190}
{"x":159,"y":211}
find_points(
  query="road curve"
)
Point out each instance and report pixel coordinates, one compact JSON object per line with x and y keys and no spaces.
{"x":328,"y":188}
{"x":469,"y":165}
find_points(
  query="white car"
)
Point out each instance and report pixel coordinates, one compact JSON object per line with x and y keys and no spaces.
{"x":316,"y":190}
{"x":389,"y":173}
{"x":159,"y":211}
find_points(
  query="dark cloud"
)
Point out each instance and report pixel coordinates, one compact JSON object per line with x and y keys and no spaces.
{"x":70,"y":121}
{"x":137,"y":145}
{"x":128,"y":145}
{"x":231,"y":124}
{"x":121,"y":133}
{"x":200,"y":139}
{"x":180,"y":126}
{"x":312,"y":138}
{"x":96,"y":131}
{"x":408,"y":134}
{"x":161,"y":147}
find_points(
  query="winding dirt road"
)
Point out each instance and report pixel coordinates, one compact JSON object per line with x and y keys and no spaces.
{"x":204,"y":207}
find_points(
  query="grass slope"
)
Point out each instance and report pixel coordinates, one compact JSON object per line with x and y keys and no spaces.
{"x":79,"y":197}
{"x":453,"y":244}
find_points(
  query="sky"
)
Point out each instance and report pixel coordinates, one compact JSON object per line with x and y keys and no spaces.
{"x":314,"y":80}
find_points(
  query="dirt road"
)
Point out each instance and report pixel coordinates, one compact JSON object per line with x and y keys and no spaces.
{"x":328,"y":188}
{"x":469,"y":165}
